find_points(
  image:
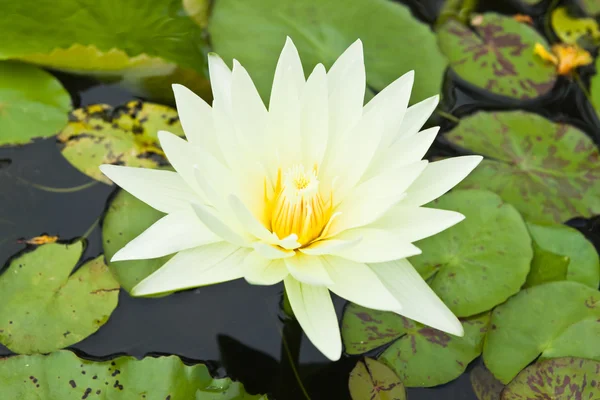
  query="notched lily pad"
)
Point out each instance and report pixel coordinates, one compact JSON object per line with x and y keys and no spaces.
{"x":62,"y":375}
{"x":561,"y":378}
{"x":572,"y":30}
{"x":546,"y":266}
{"x":420,"y":355}
{"x":33,"y":104}
{"x":125,"y":135}
{"x":126,"y":218}
{"x":550,"y":172}
{"x":375,"y":381}
{"x":497,"y":55}
{"x":548,"y":319}
{"x":45,"y":308}
{"x":480,"y":262}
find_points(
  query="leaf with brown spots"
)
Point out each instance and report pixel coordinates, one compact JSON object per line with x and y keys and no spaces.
{"x":550,"y":172}
{"x":497,"y":55}
{"x":420,"y":355}
{"x":372,"y":380}
{"x":45,"y":307}
{"x":554,"y":319}
{"x":560,"y":378}
{"x":485,"y":385}
{"x":125,"y":135}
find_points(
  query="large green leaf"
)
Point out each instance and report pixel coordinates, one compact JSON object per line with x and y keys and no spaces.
{"x":480,"y":262}
{"x":584,"y":263}
{"x":254,"y":32}
{"x":33,"y":103}
{"x":61,"y":375}
{"x":420,"y":355}
{"x":562,"y":378}
{"x":126,"y":218}
{"x":550,"y":172}
{"x":45,"y":308}
{"x":538,"y":320}
{"x":125,"y":135}
{"x":372,"y":380}
{"x":497,"y":55}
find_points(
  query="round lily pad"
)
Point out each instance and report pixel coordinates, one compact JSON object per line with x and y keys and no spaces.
{"x":126,"y":218}
{"x":62,"y":375}
{"x":375,"y":381}
{"x":420,"y":355}
{"x":561,"y":378}
{"x":33,"y":104}
{"x":591,"y":7}
{"x":485,"y":385}
{"x":125,"y":135}
{"x":395,"y":42}
{"x":539,"y":319}
{"x":45,"y":308}
{"x":584,"y":263}
{"x":480,"y":262}
{"x":497,"y":55}
{"x":550,"y":172}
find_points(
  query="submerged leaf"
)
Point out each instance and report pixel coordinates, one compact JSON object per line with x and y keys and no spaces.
{"x":372,"y":380}
{"x":394,"y":41}
{"x":45,"y":308}
{"x":62,"y":375}
{"x":550,"y":172}
{"x":33,"y":104}
{"x":480,"y":262}
{"x":125,"y":135}
{"x":498,"y":56}
{"x":540,"y":320}
{"x":561,"y":378}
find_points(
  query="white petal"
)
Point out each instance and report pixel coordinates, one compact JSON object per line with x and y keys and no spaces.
{"x":357,"y":283}
{"x":418,"y":301}
{"x":329,"y":246}
{"x":272,"y":252}
{"x":259,"y":270}
{"x":376,"y":245}
{"x":249,"y":221}
{"x":174,"y":232}
{"x":162,"y":190}
{"x":439,"y":177}
{"x":220,"y":80}
{"x":308,"y":269}
{"x":416,"y":116}
{"x":289,"y":68}
{"x":416,"y":223}
{"x":314,"y":311}
{"x":182,"y":156}
{"x":314,"y":117}
{"x":200,"y":266}
{"x":217,"y":226}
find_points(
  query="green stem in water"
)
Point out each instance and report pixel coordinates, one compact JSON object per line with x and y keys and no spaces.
{"x":448,"y":116}
{"x":458,"y":9}
{"x":59,"y":190}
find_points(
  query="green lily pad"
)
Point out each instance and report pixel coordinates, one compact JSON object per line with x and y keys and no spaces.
{"x":126,"y":218}
{"x":33,"y":104}
{"x":591,"y":7}
{"x":420,"y":355}
{"x":62,"y":375}
{"x":125,"y":135}
{"x":546,"y":266}
{"x":394,"y":41}
{"x":539,"y":319}
{"x":572,"y":30}
{"x":595,"y":88}
{"x":584,"y":263}
{"x":562,"y":378}
{"x":373,"y":380}
{"x":550,"y":172}
{"x":480,"y":262}
{"x":45,"y":308}
{"x":485,"y":385}
{"x":497,"y":55}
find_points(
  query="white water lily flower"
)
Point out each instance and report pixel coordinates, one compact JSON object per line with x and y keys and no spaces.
{"x":316,"y":190}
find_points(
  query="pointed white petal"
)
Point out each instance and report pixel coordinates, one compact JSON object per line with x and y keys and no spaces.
{"x":438,"y":178}
{"x":272,"y":252}
{"x":200,"y":266}
{"x":415,"y":223}
{"x":308,"y":269}
{"x":217,"y":226}
{"x":418,"y":301}
{"x":220,"y":80}
{"x":416,"y":116}
{"x":314,"y":311}
{"x":249,"y":221}
{"x":314,"y":118}
{"x":259,"y":270}
{"x":329,"y":246}
{"x":357,"y":283}
{"x":174,"y":232}
{"x":289,"y":68}
{"x":182,"y":156}
{"x":376,"y":245}
{"x":162,"y":190}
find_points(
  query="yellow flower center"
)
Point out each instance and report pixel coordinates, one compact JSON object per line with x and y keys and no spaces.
{"x":298,"y":207}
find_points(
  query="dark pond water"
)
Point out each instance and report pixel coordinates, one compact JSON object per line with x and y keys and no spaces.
{"x":234,"y":327}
